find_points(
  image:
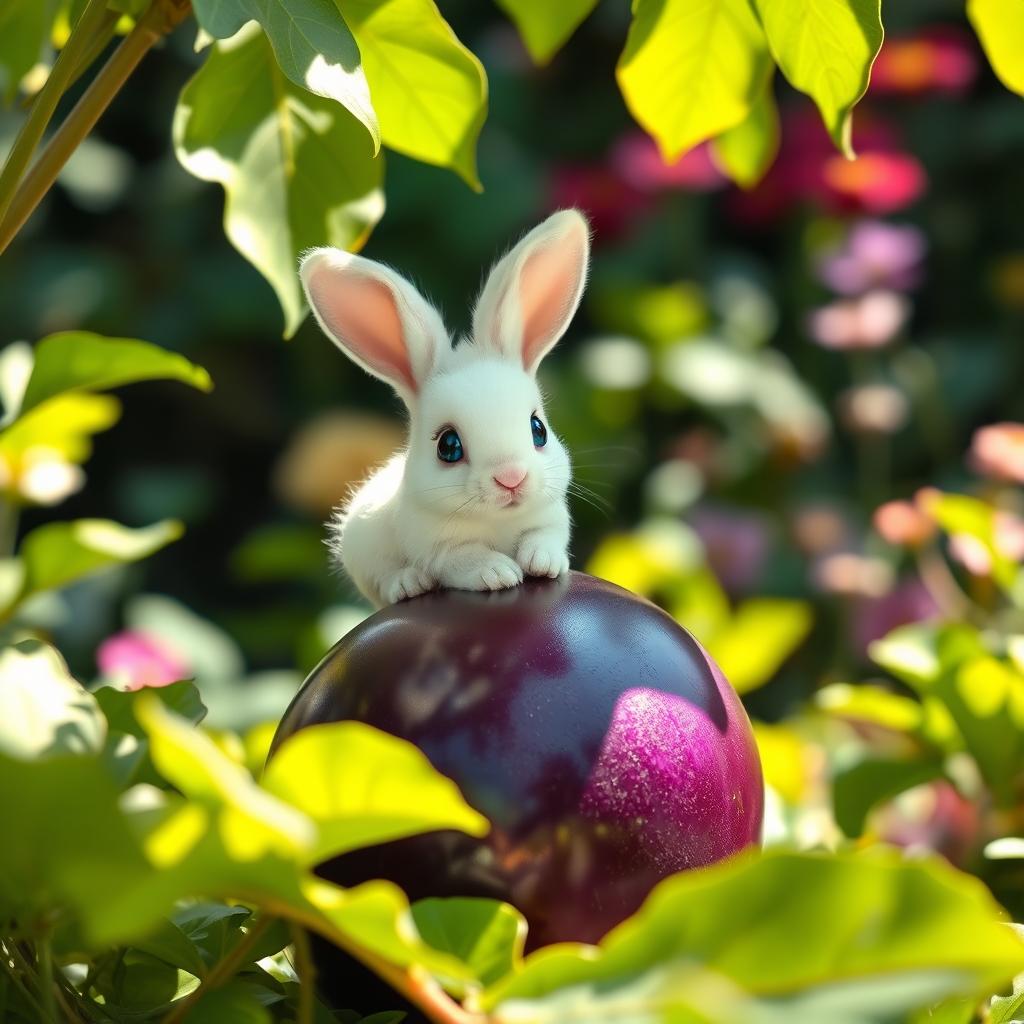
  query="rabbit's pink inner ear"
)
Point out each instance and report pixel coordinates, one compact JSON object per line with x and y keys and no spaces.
{"x":549,"y":284}
{"x":363,"y":316}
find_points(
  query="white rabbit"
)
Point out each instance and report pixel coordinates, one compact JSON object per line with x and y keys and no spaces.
{"x":478,"y":498}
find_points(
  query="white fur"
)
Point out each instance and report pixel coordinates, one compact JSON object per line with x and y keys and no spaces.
{"x":420,"y":523}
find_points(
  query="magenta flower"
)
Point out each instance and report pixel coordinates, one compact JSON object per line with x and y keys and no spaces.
{"x":636,"y":159}
{"x":611,"y":203}
{"x":870,"y":321}
{"x":874,"y":617}
{"x":736,"y":543}
{"x":873,"y":255}
{"x":941,"y":59}
{"x":134,"y":660}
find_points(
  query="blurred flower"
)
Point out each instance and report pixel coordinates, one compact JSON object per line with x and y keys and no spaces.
{"x":972,"y":553}
{"x":903,"y":524}
{"x":133,"y":660}
{"x":819,"y":528}
{"x":1008,"y":280}
{"x":329,"y":455}
{"x":853,"y":575}
{"x":998,"y":451}
{"x":40,"y":475}
{"x":875,"y":182}
{"x":873,"y":409}
{"x":736,"y":543}
{"x":931,"y":818}
{"x":941,"y":59}
{"x":611,"y":203}
{"x":616,"y":363}
{"x":637,"y":160}
{"x":870,"y":321}
{"x":878,"y":615}
{"x":873,"y":255}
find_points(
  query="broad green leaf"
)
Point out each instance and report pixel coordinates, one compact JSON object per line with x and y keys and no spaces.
{"x":1000,"y":27}
{"x":79,"y":360}
{"x":169,"y":943}
{"x":63,"y":425}
{"x":428,"y":89}
{"x":312,"y":46}
{"x":61,"y":553}
{"x":825,"y":48}
{"x":362,"y":787}
{"x":119,"y":705}
{"x":297,"y":169}
{"x":24,"y":31}
{"x":866,"y":703}
{"x":692,"y":69}
{"x":236,"y":1002}
{"x":43,"y":710}
{"x":746,"y":151}
{"x":761,"y":634}
{"x":485,"y":935}
{"x":781,"y":925}
{"x":910,"y":653}
{"x":1008,"y":1009}
{"x":545,"y":26}
{"x":212,"y":928}
{"x":860,"y":787}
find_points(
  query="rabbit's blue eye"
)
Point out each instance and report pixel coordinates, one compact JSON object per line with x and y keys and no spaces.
{"x":449,"y":446}
{"x":540,"y":432}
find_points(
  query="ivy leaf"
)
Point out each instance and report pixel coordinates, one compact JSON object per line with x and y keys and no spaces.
{"x":746,"y":151}
{"x":545,"y":26}
{"x":429,"y":90}
{"x":1000,"y":27}
{"x":825,"y":48}
{"x":692,"y":69}
{"x":82,"y":361}
{"x":297,"y":169}
{"x":312,"y":45}
{"x":362,"y":787}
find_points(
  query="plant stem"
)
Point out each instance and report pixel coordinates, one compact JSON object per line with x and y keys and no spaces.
{"x":46,"y":102}
{"x":306,"y":971}
{"x":9,"y":515}
{"x":224,"y":970}
{"x":160,"y":18}
{"x":12,"y":970}
{"x":44,"y":957}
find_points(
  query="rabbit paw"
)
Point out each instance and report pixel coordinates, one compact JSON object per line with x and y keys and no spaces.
{"x":493,"y":571}
{"x":406,"y":583}
{"x":541,"y":556}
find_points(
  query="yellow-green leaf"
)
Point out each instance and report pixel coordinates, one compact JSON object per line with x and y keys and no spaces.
{"x":1000,"y":27}
{"x":429,"y":91}
{"x":298,"y":170}
{"x":546,"y":25}
{"x":692,"y":69}
{"x":825,"y":48}
{"x":747,"y":151}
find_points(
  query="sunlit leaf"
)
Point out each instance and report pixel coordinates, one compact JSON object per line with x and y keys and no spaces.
{"x":546,"y":26}
{"x":362,"y":787}
{"x":746,"y":151}
{"x":860,"y":787}
{"x":63,"y":425}
{"x":297,"y":169}
{"x":1000,"y":27}
{"x":692,"y":69}
{"x":43,"y":710}
{"x":825,"y":48}
{"x":79,"y":360}
{"x":428,"y":89}
{"x":24,"y":31}
{"x":312,"y":45}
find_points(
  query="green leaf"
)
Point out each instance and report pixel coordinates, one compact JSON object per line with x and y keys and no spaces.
{"x":119,"y":705}
{"x":910,"y":653}
{"x":61,"y":553}
{"x":169,"y":943}
{"x":692,"y":69}
{"x":1000,"y":27}
{"x":79,"y":360}
{"x":485,"y":935}
{"x":297,"y":169}
{"x":43,"y":711}
{"x":362,"y":787}
{"x":312,"y":45}
{"x":212,"y":928}
{"x":1008,"y":1009}
{"x":236,"y":1002}
{"x":876,"y":919}
{"x":63,"y":424}
{"x":746,"y":151}
{"x":761,"y":634}
{"x":24,"y":31}
{"x":429,"y":90}
{"x":825,"y":48}
{"x":545,"y":26}
{"x":860,"y":787}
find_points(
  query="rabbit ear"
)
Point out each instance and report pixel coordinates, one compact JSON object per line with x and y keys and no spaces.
{"x":375,"y":316}
{"x":532,"y":294}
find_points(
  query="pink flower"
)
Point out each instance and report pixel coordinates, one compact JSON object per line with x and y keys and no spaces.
{"x":636,"y":159}
{"x":134,"y":660}
{"x":875,"y":616}
{"x":611,"y":203}
{"x":903,"y":524}
{"x":998,"y":451}
{"x":932,"y":817}
{"x":941,"y":59}
{"x":870,"y":321}
{"x":874,"y":182}
{"x":736,"y":543}
{"x":873,"y":255}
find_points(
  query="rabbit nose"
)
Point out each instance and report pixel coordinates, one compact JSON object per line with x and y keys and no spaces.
{"x":510,"y":478}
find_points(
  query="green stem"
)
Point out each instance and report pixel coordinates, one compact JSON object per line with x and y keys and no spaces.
{"x":159,"y":19}
{"x":102,"y":38}
{"x":223,"y":971}
{"x":44,"y":958}
{"x":15,"y":975}
{"x":46,"y":102}
{"x":305,"y":969}
{"x":10,"y":512}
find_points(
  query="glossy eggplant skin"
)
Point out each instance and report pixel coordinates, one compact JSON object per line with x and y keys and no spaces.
{"x":597,"y":736}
